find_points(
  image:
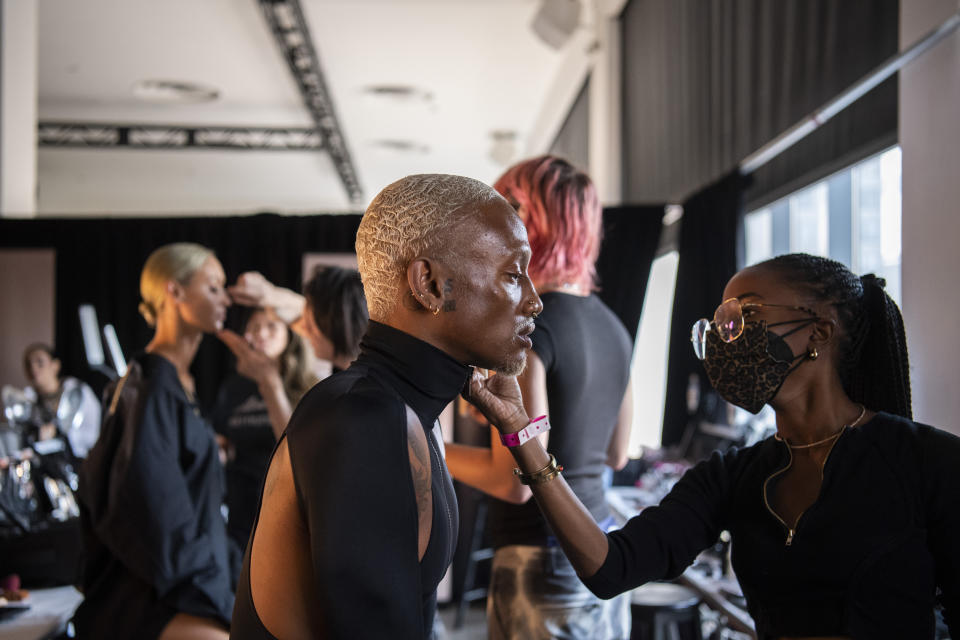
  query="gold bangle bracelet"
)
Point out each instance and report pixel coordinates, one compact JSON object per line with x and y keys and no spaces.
{"x":546,"y":474}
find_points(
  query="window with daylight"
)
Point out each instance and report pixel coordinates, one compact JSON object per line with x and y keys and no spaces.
{"x":649,"y":367}
{"x":852,"y":216}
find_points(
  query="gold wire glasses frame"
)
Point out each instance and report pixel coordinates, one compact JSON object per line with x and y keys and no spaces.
{"x":728,"y":322}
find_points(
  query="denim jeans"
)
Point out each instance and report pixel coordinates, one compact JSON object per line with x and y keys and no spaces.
{"x":535,"y":594}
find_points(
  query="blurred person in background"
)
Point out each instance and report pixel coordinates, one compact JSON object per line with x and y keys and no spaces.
{"x":157,"y":554}
{"x":253,"y":406}
{"x":331,"y":315}
{"x":64,"y":406}
{"x":577,"y":374}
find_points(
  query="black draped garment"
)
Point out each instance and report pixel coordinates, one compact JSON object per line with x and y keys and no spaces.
{"x":348,"y":450}
{"x":151,"y":491}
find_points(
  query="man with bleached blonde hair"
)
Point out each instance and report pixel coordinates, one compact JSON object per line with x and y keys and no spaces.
{"x":407,"y":218}
{"x":358,"y":519}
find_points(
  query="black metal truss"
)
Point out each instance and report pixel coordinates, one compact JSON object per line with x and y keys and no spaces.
{"x":161,"y":136}
{"x":289,"y":27}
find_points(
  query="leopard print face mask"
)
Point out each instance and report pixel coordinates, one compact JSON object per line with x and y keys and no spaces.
{"x":749,"y":371}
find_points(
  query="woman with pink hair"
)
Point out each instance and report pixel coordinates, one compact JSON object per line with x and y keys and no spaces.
{"x":578,"y":374}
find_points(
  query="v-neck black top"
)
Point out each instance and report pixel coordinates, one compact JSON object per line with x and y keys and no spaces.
{"x":150,"y":491}
{"x":865,"y":560}
{"x":348,"y":450}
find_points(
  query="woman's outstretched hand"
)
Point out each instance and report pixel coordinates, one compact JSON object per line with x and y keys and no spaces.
{"x":498,"y":398}
{"x":254,"y":290}
{"x":251,"y":290}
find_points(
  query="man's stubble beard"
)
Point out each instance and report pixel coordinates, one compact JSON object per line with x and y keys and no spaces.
{"x":513,"y":368}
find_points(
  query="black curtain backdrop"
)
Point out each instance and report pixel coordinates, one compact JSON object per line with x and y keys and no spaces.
{"x":98,"y":261}
{"x":707,"y":83}
{"x":707,"y":259}
{"x":631,"y":234}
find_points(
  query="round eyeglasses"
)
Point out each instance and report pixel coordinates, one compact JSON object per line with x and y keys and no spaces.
{"x":728,"y":322}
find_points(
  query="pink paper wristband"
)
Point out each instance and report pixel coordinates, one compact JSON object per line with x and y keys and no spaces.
{"x":529,"y":432}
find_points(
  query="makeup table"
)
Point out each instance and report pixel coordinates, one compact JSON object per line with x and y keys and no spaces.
{"x":47,"y":616}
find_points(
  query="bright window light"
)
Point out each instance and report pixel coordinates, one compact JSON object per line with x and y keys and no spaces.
{"x":853,"y":216}
{"x":759,"y":230}
{"x":649,"y":366}
{"x":890,"y":215}
{"x":808,"y":220}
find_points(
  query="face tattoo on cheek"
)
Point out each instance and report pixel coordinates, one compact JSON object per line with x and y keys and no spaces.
{"x":449,"y":305}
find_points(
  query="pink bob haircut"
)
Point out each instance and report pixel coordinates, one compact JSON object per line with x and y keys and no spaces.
{"x":561,"y":209}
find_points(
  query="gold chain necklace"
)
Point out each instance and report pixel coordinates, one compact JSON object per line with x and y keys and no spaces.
{"x":863,"y":410}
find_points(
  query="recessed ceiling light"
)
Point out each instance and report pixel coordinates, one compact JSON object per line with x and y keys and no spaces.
{"x":398,"y":92}
{"x":400,"y":146}
{"x":504,"y":146}
{"x":174,"y":92}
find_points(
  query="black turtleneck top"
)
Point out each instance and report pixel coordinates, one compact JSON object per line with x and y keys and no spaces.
{"x":348,"y":450}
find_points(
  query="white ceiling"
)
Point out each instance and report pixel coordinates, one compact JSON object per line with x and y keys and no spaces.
{"x":478,"y":60}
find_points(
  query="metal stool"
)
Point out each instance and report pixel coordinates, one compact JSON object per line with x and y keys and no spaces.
{"x":665,"y":611}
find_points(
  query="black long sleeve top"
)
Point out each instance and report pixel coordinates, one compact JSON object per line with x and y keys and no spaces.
{"x":151,"y":490}
{"x":866,"y":560}
{"x":348,"y":451}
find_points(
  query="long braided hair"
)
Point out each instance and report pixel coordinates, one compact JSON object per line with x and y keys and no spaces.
{"x":872,"y":349}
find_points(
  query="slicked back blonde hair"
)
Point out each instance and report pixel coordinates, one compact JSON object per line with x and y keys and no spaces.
{"x":406,"y":219}
{"x":177,"y":262}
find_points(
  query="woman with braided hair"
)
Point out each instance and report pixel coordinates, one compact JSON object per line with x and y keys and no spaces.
{"x":845,"y":523}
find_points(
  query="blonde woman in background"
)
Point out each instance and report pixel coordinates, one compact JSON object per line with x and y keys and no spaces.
{"x":157,"y":555}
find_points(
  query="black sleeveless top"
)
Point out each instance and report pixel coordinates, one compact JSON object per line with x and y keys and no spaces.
{"x":586,"y":353}
{"x":348,"y":449}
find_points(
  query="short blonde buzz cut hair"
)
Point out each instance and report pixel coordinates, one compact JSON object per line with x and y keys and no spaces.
{"x":406,"y":219}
